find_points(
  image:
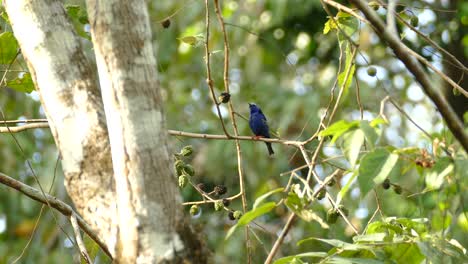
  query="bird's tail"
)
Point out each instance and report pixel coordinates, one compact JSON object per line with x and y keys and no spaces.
{"x":270,"y":148}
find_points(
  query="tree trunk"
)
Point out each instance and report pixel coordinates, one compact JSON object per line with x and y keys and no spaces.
{"x":71,"y":98}
{"x":147,"y":193}
{"x":133,"y":202}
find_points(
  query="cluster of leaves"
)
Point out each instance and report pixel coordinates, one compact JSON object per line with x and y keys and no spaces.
{"x":393,"y":240}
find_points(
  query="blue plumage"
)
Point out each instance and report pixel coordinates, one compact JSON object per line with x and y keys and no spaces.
{"x":258,"y":125}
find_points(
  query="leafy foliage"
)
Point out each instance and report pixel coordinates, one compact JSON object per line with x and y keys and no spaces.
{"x":287,"y":63}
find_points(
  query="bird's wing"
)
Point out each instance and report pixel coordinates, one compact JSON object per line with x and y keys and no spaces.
{"x":262,"y":115}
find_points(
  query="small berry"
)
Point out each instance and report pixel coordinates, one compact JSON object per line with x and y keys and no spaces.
{"x":188,"y":169}
{"x":224,"y":97}
{"x":344,"y":210}
{"x":372,"y":71}
{"x":374,"y":5}
{"x":183,"y":180}
{"x":231,"y":216}
{"x":332,"y":216}
{"x":397,"y":189}
{"x":166,"y":23}
{"x":321,"y":194}
{"x":237,"y":214}
{"x":218,"y":205}
{"x":414,"y":21}
{"x":186,"y":151}
{"x":179,"y":167}
{"x":226,"y":202}
{"x":386,"y":184}
{"x":194,"y":210}
{"x":400,"y":8}
{"x":220,"y":189}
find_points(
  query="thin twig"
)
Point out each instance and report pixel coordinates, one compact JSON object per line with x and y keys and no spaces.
{"x":449,"y":55}
{"x":234,"y":125}
{"x":53,"y":202}
{"x":213,"y":200}
{"x":403,"y":53}
{"x":345,"y":9}
{"x":358,"y":98}
{"x":209,"y":81}
{"x":25,"y":121}
{"x":223,"y":137}
{"x":79,"y":240}
{"x":16,"y":129}
{"x":280,"y":238}
{"x":35,"y":177}
{"x":39,"y":216}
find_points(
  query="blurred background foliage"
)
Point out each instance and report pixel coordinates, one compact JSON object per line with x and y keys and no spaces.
{"x":281,"y":60}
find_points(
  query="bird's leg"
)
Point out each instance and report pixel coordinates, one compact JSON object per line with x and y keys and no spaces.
{"x":257,"y":137}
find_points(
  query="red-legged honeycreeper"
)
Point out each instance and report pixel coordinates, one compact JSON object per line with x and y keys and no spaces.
{"x":258,"y":125}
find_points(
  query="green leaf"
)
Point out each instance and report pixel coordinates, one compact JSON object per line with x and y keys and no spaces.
{"x":342,"y":260}
{"x":370,"y":133}
{"x":254,"y":213}
{"x":436,"y":175}
{"x":375,"y":167}
{"x":345,"y":188}
{"x":266,"y":195}
{"x":336,"y":243}
{"x":289,"y":259}
{"x":297,"y":205}
{"x":377,"y":121}
{"x":8,"y":47}
{"x":376,"y":237}
{"x":406,"y":253}
{"x":23,"y":84}
{"x":249,"y":216}
{"x":352,"y":143}
{"x":349,"y":67}
{"x":347,"y":23}
{"x":191,"y":40}
{"x":195,"y":40}
{"x":337,"y":129}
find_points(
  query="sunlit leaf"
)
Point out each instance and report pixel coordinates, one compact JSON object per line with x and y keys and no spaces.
{"x":348,"y":70}
{"x":345,"y":188}
{"x":191,"y":40}
{"x":266,"y":195}
{"x":249,"y":216}
{"x":376,"y":237}
{"x":8,"y":47}
{"x":375,"y":167}
{"x":336,"y":243}
{"x":347,"y":23}
{"x":437,"y":174}
{"x":370,"y":133}
{"x":254,"y":213}
{"x":337,"y":129}
{"x":22,"y":84}
{"x":287,"y":260}
{"x":352,"y":143}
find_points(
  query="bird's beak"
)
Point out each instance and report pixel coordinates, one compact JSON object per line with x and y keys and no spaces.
{"x":250,"y":104}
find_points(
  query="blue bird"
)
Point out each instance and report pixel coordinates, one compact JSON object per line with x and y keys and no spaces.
{"x":258,"y":125}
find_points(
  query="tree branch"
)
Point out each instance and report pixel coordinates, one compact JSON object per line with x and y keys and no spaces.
{"x":55,"y":203}
{"x":401,"y":51}
{"x":16,"y":129}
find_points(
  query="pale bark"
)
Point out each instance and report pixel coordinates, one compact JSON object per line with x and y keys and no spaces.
{"x":69,"y":92}
{"x":149,"y":212}
{"x":132,"y":201}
